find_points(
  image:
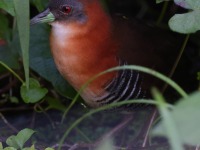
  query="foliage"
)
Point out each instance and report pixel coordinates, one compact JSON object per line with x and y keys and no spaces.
{"x":179,"y":123}
{"x":34,"y":93}
{"x":40,"y":61}
{"x":18,"y":141}
{"x":184,"y":117}
{"x":187,"y":22}
{"x":22,"y":11}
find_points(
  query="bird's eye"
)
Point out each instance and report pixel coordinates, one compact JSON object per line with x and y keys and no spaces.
{"x":66,"y":9}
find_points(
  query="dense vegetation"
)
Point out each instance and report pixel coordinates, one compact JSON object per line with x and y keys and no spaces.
{"x":31,"y":86}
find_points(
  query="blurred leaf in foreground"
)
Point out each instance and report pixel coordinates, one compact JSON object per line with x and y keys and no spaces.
{"x":187,"y":22}
{"x":186,"y":116}
{"x":107,"y":144}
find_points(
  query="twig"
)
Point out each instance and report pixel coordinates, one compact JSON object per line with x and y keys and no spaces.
{"x":115,"y":129}
{"x":148,"y":128}
{"x":8,"y":124}
{"x":8,"y":86}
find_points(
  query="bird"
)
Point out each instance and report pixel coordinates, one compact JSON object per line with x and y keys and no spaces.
{"x":86,"y":40}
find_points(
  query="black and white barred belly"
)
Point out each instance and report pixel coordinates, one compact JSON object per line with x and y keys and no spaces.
{"x":125,"y":86}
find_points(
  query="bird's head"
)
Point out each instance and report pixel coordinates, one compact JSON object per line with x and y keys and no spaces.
{"x":62,"y":11}
{"x":66,"y":11}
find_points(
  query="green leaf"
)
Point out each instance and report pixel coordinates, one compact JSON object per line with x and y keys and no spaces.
{"x":34,"y":94}
{"x":20,"y":139}
{"x":107,"y":144}
{"x":169,"y":125}
{"x":8,"y":6}
{"x":185,"y":23}
{"x":41,"y":60}
{"x":1,"y":146}
{"x":30,"y":148}
{"x":55,"y":104}
{"x":49,"y":149}
{"x":23,"y":24}
{"x":188,"y":4}
{"x":14,"y":99}
{"x":186,"y":117}
{"x":12,"y":142}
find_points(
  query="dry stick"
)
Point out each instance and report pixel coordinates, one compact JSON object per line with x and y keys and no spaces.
{"x":46,"y":114}
{"x":7,"y":123}
{"x":153,"y":117}
{"x":65,"y":145}
{"x":104,"y":137}
{"x":8,"y":86}
{"x":147,"y":128}
{"x":115,"y":129}
{"x":32,"y":124}
{"x":21,"y":108}
{"x":4,"y":75}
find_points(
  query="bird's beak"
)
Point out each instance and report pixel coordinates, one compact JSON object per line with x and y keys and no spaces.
{"x":44,"y":17}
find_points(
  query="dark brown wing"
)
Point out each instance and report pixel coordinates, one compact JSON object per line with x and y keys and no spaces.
{"x":148,"y":46}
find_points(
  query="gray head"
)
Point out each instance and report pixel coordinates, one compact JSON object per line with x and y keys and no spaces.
{"x":62,"y":10}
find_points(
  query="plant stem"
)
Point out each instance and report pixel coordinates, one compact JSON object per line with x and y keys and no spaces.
{"x":162,"y":14}
{"x":177,"y":60}
{"x":13,"y":72}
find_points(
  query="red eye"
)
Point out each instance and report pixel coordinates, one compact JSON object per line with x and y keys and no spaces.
{"x":66,"y":9}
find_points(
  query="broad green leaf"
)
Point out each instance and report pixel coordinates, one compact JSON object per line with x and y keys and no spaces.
{"x":20,"y":139}
{"x":188,"y":4}
{"x":41,"y":60}
{"x":8,"y":6}
{"x":23,"y":24}
{"x":35,"y":92}
{"x":186,"y":117}
{"x":185,"y":23}
{"x":12,"y":142}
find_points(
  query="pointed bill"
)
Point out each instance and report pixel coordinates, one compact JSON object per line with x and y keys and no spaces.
{"x":44,"y":17}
